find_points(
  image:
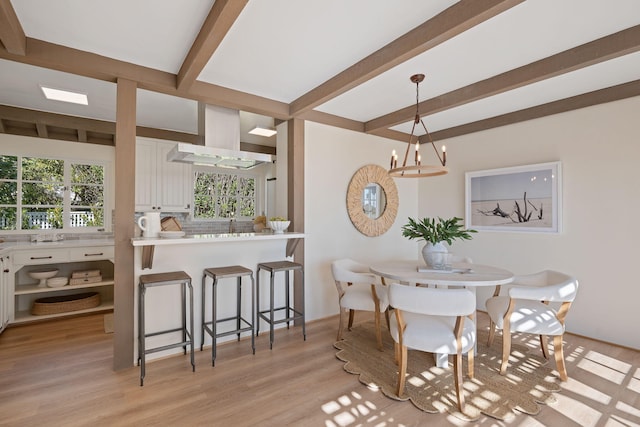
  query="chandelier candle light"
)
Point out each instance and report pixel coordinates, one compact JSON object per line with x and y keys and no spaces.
{"x":418,"y":170}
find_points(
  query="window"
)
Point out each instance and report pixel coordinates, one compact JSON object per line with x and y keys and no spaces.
{"x":42,"y":193}
{"x":223,"y":195}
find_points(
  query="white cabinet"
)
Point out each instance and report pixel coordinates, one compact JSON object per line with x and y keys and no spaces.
{"x":24,"y":290}
{"x":5,"y":292}
{"x":161,"y":185}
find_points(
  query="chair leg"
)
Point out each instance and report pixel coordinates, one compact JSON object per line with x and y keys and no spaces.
{"x":340,"y":324}
{"x":402,"y":369}
{"x":386,"y":316}
{"x":470,"y":363}
{"x":558,"y":352}
{"x":351,"y":314}
{"x":378,"y":331}
{"x":457,"y":375}
{"x":543,"y":346}
{"x":506,"y":350}
{"x":492,"y":333}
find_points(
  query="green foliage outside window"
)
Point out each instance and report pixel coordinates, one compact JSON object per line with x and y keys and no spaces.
{"x":224,"y":195}
{"x":41,"y":193}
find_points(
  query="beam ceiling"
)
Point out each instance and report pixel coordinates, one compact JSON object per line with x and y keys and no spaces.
{"x":451,"y":22}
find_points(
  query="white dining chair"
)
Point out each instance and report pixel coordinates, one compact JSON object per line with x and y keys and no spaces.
{"x":359,"y":289}
{"x":435,"y":321}
{"x":528,"y":309}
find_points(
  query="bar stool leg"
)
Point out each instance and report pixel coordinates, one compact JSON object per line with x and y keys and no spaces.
{"x":287,"y":303}
{"x":214,"y":331}
{"x":253,"y":313}
{"x":304,"y":310}
{"x":238,"y":303}
{"x":191,"y":330}
{"x":271,"y":304}
{"x":183,"y":289}
{"x":202,"y":308}
{"x":257,"y":310}
{"x":141,"y":333}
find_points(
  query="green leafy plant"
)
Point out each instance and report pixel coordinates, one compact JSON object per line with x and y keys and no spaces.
{"x":436,"y":230}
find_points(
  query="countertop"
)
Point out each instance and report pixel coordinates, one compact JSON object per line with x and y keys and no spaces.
{"x":214,"y":238}
{"x":71,"y":243}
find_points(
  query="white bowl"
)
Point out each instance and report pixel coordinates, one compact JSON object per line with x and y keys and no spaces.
{"x":278,"y":227}
{"x":43,"y":274}
{"x":57,"y":282}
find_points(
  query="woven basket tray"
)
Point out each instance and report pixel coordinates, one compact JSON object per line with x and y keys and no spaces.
{"x":65,"y":303}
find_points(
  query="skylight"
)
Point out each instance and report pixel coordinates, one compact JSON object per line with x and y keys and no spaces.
{"x":65,"y":95}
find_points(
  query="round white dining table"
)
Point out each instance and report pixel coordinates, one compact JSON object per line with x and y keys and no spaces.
{"x":461,"y":274}
{"x":468,"y":275}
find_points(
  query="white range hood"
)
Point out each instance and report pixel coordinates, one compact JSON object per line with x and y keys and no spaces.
{"x":221,"y":143}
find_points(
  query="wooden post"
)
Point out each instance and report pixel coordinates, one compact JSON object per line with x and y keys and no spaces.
{"x":295,"y":197}
{"x":124,"y":291}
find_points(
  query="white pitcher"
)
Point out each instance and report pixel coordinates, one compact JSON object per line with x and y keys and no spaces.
{"x":150,"y":224}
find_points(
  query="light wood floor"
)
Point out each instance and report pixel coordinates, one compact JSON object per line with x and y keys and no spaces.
{"x":60,"y":374}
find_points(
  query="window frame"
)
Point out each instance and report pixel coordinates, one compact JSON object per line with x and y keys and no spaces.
{"x":66,"y":202}
{"x":258,"y":198}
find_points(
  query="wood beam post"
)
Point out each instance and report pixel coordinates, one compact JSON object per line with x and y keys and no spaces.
{"x":295,"y":197}
{"x":11,"y":32}
{"x":124,"y":288}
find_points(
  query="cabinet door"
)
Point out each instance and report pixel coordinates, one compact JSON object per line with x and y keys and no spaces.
{"x":6,"y":293}
{"x":145,"y":176}
{"x":174,"y":187}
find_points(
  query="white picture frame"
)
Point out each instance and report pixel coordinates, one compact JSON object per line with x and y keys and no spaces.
{"x":515,"y":199}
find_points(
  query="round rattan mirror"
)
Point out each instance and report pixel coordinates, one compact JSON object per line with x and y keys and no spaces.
{"x":372,"y":190}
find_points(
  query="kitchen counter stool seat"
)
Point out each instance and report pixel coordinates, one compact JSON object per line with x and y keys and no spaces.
{"x":241,"y":324}
{"x":290,"y":313}
{"x":147,"y":281}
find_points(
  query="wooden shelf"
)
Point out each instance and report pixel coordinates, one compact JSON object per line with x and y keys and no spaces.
{"x":35,"y":289}
{"x":26,"y":316}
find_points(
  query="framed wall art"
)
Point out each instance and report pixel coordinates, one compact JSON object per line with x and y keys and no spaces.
{"x":519,"y":199}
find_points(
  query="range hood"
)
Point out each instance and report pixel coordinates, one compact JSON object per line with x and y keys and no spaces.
{"x":221,"y":127}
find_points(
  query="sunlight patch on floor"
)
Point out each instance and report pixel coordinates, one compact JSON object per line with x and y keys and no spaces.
{"x":577,"y":412}
{"x":586,"y":391}
{"x":353,"y":409}
{"x":628,"y":409}
{"x":634,"y":383}
{"x":605,"y":367}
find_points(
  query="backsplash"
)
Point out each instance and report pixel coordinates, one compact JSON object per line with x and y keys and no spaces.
{"x":207,"y":227}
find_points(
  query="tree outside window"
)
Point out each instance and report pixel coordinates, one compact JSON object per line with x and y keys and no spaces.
{"x":41,"y":193}
{"x":224,"y":195}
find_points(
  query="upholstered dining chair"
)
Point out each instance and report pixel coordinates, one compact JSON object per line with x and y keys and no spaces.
{"x":433,"y":320}
{"x":528,"y":309}
{"x":358,"y":289}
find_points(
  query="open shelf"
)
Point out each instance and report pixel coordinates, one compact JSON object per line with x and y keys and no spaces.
{"x":35,"y":289}
{"x":26,"y":316}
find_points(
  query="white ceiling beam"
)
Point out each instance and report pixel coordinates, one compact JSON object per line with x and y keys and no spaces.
{"x":11,"y":32}
{"x":220,"y":19}
{"x":444,"y":26}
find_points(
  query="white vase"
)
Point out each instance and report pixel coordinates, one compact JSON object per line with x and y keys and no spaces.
{"x":435,"y":255}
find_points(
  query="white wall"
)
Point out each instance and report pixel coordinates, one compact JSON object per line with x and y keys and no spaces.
{"x":332,"y":156}
{"x":599,"y":150}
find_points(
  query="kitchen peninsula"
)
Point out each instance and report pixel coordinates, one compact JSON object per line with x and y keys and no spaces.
{"x":192,"y":254}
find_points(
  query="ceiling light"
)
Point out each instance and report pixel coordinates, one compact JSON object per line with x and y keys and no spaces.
{"x":258,"y":130}
{"x":65,"y":95}
{"x":418,"y":169}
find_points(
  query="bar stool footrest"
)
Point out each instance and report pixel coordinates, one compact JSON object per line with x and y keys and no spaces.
{"x":247,"y":327}
{"x":264,"y":315}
